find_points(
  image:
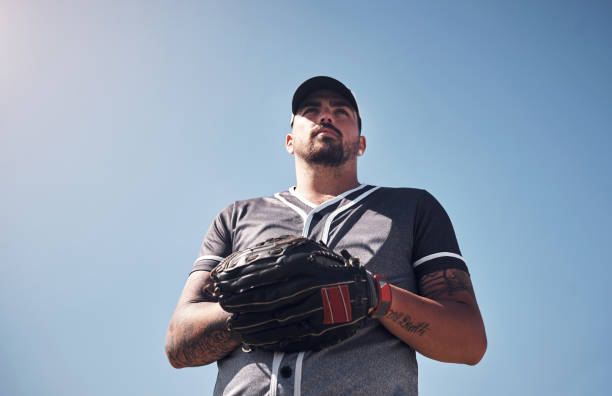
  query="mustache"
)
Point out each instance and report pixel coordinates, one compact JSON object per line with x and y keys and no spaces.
{"x":330,"y":126}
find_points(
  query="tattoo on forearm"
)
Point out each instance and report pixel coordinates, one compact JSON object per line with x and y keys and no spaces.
{"x":190,"y":349}
{"x":445,"y":283}
{"x":406,"y":323}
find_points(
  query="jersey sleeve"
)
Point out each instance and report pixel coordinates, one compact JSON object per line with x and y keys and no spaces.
{"x":217,"y":243}
{"x":435,"y":246}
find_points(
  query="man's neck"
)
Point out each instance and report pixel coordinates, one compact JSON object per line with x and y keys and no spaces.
{"x":318,"y":183}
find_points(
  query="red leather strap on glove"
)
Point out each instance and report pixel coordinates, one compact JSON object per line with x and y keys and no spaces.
{"x":384,"y":297}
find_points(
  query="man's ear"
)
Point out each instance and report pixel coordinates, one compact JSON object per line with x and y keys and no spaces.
{"x":362,"y":145}
{"x":289,"y":143}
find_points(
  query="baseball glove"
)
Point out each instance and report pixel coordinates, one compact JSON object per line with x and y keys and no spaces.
{"x":294,"y":294}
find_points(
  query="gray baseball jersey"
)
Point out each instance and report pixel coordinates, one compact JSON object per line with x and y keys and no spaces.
{"x":401,"y":233}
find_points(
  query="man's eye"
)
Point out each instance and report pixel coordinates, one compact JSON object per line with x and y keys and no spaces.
{"x":311,"y":110}
{"x":342,"y":111}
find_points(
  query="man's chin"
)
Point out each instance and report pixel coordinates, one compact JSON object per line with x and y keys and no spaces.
{"x":326,"y":158}
{"x":327,"y":152}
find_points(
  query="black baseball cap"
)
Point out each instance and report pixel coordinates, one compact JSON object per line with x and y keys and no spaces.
{"x":318,"y":83}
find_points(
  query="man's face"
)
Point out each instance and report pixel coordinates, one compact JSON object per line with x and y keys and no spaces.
{"x":325,"y":130}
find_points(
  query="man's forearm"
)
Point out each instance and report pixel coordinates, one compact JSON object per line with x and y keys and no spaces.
{"x":197,"y":335}
{"x":445,"y":330}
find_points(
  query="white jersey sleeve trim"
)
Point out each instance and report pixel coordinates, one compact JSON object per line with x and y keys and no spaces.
{"x":435,"y":256}
{"x":330,"y":218}
{"x":208,"y":257}
{"x":292,"y":206}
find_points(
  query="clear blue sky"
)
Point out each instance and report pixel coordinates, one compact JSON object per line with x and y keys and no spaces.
{"x":125,"y":128}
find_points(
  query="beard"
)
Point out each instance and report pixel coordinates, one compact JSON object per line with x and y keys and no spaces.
{"x":329,"y":152}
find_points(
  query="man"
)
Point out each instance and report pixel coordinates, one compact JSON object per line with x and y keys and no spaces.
{"x":401,"y":233}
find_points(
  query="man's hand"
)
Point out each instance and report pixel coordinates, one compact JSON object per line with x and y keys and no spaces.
{"x":293,"y":294}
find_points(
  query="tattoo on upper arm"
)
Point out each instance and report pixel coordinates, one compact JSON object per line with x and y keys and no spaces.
{"x":445,"y":283}
{"x":406,"y":323}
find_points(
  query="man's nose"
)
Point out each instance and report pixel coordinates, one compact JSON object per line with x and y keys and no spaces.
{"x":326,"y":115}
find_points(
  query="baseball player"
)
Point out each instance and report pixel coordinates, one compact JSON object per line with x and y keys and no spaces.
{"x":403,"y":234}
